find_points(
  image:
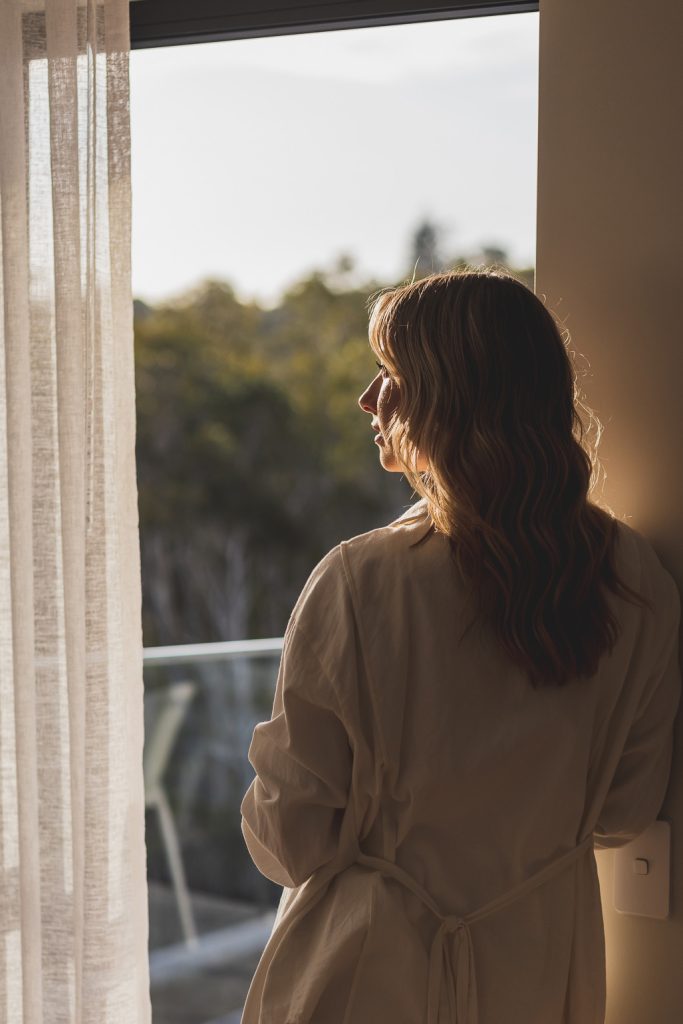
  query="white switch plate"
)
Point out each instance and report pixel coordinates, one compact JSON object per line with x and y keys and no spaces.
{"x":644,"y":894}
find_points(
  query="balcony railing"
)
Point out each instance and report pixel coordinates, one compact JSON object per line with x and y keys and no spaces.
{"x":182,"y":654}
{"x":210,"y":910}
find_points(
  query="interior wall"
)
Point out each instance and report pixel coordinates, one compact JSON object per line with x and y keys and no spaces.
{"x":610,"y":235}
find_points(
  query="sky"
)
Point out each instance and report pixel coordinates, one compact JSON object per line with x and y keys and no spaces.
{"x":257,"y":161}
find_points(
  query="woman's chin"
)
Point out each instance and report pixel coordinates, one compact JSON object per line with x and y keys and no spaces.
{"x":388,"y":462}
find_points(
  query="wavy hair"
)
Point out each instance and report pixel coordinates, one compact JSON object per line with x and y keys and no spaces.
{"x":488,"y":395}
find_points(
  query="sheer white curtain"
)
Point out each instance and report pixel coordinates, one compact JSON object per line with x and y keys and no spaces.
{"x":73,"y":907}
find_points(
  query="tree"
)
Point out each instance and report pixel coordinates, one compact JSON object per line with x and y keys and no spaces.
{"x":253,"y":456}
{"x":495,"y":255}
{"x":425,"y":255}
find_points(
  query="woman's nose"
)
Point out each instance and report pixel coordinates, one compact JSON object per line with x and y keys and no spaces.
{"x":368,"y":400}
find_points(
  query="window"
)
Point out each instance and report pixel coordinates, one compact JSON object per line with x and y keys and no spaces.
{"x":278,"y":182}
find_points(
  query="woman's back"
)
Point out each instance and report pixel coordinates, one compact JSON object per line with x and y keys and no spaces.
{"x":396,"y":737}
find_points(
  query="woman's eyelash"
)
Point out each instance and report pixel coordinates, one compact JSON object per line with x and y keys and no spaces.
{"x":381,"y":365}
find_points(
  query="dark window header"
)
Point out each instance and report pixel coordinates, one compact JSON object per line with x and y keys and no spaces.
{"x":173,"y":22}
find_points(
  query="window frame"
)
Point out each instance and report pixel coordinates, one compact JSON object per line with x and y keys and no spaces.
{"x":177,"y":22}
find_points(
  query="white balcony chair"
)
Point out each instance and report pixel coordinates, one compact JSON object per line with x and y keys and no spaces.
{"x":172,"y":704}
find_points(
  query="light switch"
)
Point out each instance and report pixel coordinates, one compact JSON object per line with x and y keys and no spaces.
{"x":641,"y":873}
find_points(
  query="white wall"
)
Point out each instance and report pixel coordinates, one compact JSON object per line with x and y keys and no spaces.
{"x":610,"y":261}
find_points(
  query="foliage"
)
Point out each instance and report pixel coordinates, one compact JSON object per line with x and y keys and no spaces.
{"x":253,"y":456}
{"x":253,"y":460}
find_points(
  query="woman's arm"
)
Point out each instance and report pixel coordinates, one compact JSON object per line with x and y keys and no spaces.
{"x":292,"y":811}
{"x":640,"y":781}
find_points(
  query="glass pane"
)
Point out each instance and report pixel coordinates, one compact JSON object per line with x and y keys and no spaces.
{"x":277,"y":184}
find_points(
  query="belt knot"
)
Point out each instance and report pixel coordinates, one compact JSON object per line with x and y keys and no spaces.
{"x":462,"y":986}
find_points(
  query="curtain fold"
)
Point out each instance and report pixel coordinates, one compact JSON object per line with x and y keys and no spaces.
{"x":73,"y":897}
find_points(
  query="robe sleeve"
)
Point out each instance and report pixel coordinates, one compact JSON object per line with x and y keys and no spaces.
{"x":639,"y":785}
{"x":292,"y":811}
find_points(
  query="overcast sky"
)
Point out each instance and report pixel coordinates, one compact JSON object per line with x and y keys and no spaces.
{"x":258,"y":160}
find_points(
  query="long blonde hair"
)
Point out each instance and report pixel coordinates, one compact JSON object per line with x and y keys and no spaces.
{"x":488,"y":394}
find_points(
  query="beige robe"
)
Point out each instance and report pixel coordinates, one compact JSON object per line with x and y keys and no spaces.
{"x":430,"y":815}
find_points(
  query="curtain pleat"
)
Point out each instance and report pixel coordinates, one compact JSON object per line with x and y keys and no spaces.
{"x":73,"y":899}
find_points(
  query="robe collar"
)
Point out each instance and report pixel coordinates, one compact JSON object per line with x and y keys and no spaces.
{"x":421,"y":527}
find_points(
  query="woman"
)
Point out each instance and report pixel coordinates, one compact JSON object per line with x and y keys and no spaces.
{"x":469,"y":699}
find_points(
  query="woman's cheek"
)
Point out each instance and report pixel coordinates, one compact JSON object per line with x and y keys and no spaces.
{"x":387,"y":399}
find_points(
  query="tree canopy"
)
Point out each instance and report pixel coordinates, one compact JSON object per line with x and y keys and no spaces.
{"x":253,"y":456}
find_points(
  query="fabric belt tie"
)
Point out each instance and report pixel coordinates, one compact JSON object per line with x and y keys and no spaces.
{"x":462,"y":987}
{"x":462,"y":983}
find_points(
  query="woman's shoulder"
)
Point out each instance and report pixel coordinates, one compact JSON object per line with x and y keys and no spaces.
{"x":652,"y":577}
{"x":365,"y":552}
{"x":407,"y":530}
